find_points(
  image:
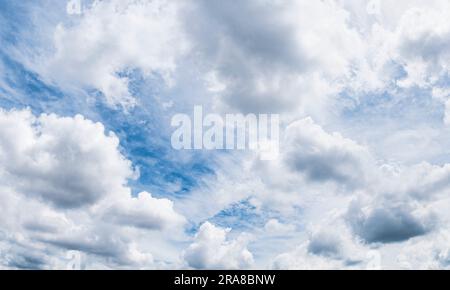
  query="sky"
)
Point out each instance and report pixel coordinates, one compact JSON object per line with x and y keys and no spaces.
{"x":89,"y":178}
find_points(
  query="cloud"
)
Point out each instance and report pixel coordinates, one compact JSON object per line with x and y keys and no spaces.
{"x":300,"y":259}
{"x":423,"y":37}
{"x":273,"y":56}
{"x":429,"y":253}
{"x":64,"y":180}
{"x":63,"y":187}
{"x":294,"y":56}
{"x":376,"y":204}
{"x":145,"y":212}
{"x":112,"y":38}
{"x":406,"y":47}
{"x":275,"y":228}
{"x":328,"y":245}
{"x":388,"y":223}
{"x":324,"y":157}
{"x":323,"y":252}
{"x":404,"y":206}
{"x":212,"y":250}
{"x":325,"y":244}
{"x":69,"y":162}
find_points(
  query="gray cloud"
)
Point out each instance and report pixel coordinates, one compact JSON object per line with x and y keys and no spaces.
{"x":325,"y":244}
{"x":261,"y":52}
{"x":389,"y":223}
{"x":325,"y":157}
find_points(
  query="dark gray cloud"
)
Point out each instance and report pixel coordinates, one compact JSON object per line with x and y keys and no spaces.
{"x":323,"y":157}
{"x":389,"y":223}
{"x":320,"y":168}
{"x":325,"y":244}
{"x":27,"y":261}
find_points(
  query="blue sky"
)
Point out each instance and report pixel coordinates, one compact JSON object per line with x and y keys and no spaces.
{"x":87,"y":166}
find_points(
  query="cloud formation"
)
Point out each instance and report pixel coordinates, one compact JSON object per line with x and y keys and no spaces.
{"x":64,"y":187}
{"x":112,"y":39}
{"x":68,"y":162}
{"x":212,"y":250}
{"x":323,"y":157}
{"x":363,"y":175}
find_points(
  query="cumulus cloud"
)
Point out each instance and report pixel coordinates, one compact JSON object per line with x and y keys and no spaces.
{"x":274,"y":228}
{"x":383,"y":204}
{"x":406,"y":47}
{"x":145,"y":212}
{"x":329,"y":244}
{"x":423,"y":37}
{"x":403,"y":206}
{"x":112,"y":38}
{"x":391,"y":204}
{"x":325,"y":250}
{"x":212,"y":249}
{"x":63,"y":184}
{"x":324,"y":157}
{"x":300,"y":259}
{"x":69,"y":162}
{"x":63,"y":181}
{"x":294,"y":56}
{"x":273,"y":55}
{"x":325,"y":244}
{"x":285,"y":60}
{"x":387,"y":223}
{"x":428,"y":253}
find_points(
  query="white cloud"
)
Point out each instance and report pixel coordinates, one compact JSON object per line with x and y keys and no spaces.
{"x":423,"y":37}
{"x":294,"y":56}
{"x":66,"y":161}
{"x":212,"y":250}
{"x":64,"y":187}
{"x":300,"y":259}
{"x":327,"y":243}
{"x":69,"y":179}
{"x":325,"y":250}
{"x":428,"y":253}
{"x":391,"y":204}
{"x":113,"y":37}
{"x":274,"y":228}
{"x":145,"y":212}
